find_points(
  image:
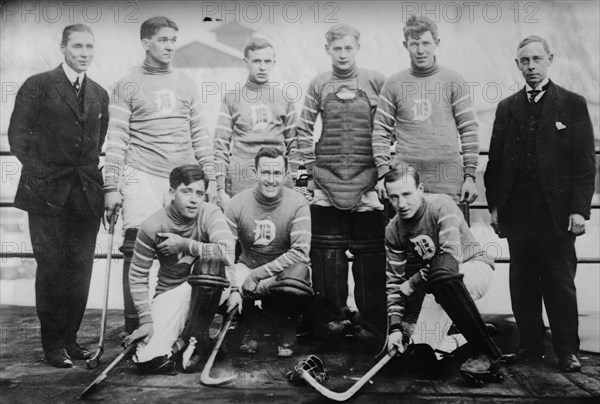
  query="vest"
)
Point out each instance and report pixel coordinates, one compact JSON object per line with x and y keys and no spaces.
{"x":344,"y":164}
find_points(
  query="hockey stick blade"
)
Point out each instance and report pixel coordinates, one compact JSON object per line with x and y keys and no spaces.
{"x":205,"y":376}
{"x":94,"y":361}
{"x":346,"y":395}
{"x":104,"y":374}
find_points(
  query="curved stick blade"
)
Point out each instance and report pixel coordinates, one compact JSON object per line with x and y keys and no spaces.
{"x":94,"y":361}
{"x":345,"y":395}
{"x":205,"y":376}
{"x":209,"y":381}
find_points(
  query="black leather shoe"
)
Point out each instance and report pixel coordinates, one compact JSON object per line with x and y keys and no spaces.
{"x":522,"y":356}
{"x":58,"y":358}
{"x":77,"y":352}
{"x":569,"y":363}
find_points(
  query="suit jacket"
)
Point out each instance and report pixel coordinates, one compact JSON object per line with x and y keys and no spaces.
{"x":565,"y":148}
{"x":57,"y":143}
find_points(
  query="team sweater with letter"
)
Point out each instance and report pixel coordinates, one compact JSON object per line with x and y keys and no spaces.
{"x":156,"y":124}
{"x":207,"y":234}
{"x":425,"y":112}
{"x":437,"y":235}
{"x":254,"y":116}
{"x":274,"y":234}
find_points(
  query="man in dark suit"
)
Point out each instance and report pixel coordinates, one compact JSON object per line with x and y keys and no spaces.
{"x":56,"y":131}
{"x":539,"y":185}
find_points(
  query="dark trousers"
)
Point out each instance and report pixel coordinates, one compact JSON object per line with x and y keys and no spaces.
{"x":542,"y":267}
{"x":63,"y":247}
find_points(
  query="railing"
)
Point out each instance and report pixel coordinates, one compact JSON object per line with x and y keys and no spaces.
{"x":501,"y":260}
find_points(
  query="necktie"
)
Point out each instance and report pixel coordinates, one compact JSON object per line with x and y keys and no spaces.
{"x":77,"y":86}
{"x":534,"y":93}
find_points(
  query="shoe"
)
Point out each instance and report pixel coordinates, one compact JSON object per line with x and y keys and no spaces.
{"x":77,"y":352}
{"x":161,"y":365}
{"x":335,"y":330}
{"x":522,"y":355}
{"x":569,"y":363}
{"x":284,"y":335}
{"x":480,"y":369}
{"x":285,"y":351}
{"x":365,"y":336}
{"x":59,"y":358}
{"x":249,"y":343}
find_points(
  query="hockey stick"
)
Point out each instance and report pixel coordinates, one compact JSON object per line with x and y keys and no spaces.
{"x":104,"y":374}
{"x":464,"y":208}
{"x":205,"y":376}
{"x":343,"y":396}
{"x":94,"y":361}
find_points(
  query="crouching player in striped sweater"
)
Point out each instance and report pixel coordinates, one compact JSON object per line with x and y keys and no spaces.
{"x":196,"y":251}
{"x":430,"y":249}
{"x":272,"y":223}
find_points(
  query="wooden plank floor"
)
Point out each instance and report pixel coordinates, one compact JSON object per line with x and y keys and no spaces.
{"x":26,"y":378}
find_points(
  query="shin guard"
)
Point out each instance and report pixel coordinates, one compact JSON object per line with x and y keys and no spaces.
{"x":450,"y":292}
{"x":368,"y":268}
{"x":129,"y":310}
{"x":208,"y":280}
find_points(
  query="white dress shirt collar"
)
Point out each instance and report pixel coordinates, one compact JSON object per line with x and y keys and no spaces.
{"x":72,"y":74}
{"x":540,"y":86}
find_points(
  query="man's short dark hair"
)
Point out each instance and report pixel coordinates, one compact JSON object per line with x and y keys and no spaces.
{"x":256,"y":44}
{"x":74,"y":28}
{"x":270,"y":152}
{"x":417,"y":26}
{"x":340,"y":31}
{"x":534,"y":38}
{"x":400,"y":171}
{"x":154,"y":24}
{"x":186,"y":175}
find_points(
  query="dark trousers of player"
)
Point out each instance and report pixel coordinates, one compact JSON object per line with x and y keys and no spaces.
{"x":333,"y":232}
{"x":543,"y":263}
{"x":63,"y":246}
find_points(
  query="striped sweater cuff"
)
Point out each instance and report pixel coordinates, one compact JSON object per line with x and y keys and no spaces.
{"x":260,"y":273}
{"x":145,"y":318}
{"x":470,"y":171}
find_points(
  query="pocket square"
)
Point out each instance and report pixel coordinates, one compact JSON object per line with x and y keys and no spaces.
{"x":99,"y":116}
{"x":560,"y":126}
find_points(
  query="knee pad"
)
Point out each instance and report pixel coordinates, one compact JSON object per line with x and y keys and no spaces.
{"x":294,"y":280}
{"x":209,"y":273}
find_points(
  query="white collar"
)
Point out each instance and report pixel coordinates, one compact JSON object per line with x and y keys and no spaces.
{"x":539,"y":86}
{"x":72,"y":74}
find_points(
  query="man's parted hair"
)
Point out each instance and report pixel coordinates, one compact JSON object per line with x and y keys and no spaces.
{"x":74,"y":28}
{"x":186,"y":175}
{"x":534,"y":38}
{"x":417,"y":26}
{"x":340,"y":31}
{"x":253,"y":44}
{"x":400,"y":171}
{"x":270,"y":152}
{"x":154,"y":24}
